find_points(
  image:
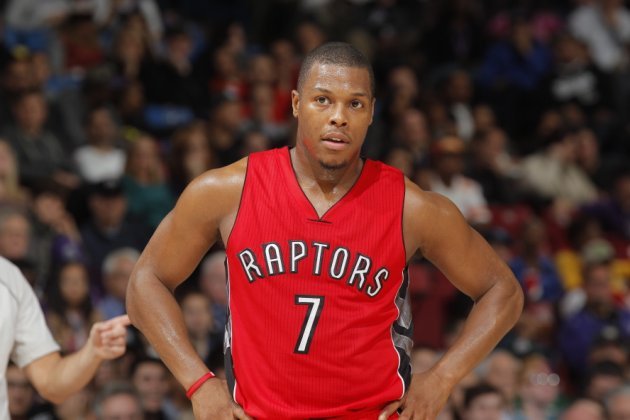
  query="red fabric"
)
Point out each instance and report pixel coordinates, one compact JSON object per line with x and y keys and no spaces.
{"x":351,"y":366}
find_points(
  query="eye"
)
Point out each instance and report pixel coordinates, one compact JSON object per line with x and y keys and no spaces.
{"x":356,"y":104}
{"x":322,"y":100}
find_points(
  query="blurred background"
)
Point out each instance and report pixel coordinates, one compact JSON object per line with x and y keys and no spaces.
{"x":517,"y":111}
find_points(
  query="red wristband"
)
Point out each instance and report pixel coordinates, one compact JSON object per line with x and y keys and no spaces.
{"x":194,"y":387}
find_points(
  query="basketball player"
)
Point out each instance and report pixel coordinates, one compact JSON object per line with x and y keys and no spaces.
{"x":317,"y":241}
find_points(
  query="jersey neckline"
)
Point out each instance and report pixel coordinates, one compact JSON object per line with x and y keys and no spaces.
{"x":300,"y":195}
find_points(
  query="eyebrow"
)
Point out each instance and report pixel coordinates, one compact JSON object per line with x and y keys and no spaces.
{"x":321,"y":89}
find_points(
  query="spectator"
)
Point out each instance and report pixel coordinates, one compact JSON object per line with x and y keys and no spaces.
{"x":213,"y":283}
{"x":131,"y":106}
{"x":539,"y":392}
{"x":224,"y":129}
{"x":512,"y":73}
{"x":422,"y":358}
{"x":553,"y":173}
{"x":456,"y":403}
{"x":227,"y":78}
{"x":608,"y":346}
{"x":69,"y":310}
{"x":617,"y":403}
{"x":40,"y":155}
{"x":15,"y":234}
{"x":118,"y":400}
{"x":603,"y":378}
{"x":447,"y":155}
{"x":263,"y":115}
{"x":411,"y":131}
{"x":614,"y":212}
{"x":485,"y":118}
{"x":596,"y":251}
{"x":459,"y":93}
{"x":254,"y":141}
{"x":494,"y":168}
{"x":578,"y":333}
{"x":81,"y":45}
{"x":263,"y":70}
{"x":10,"y":190}
{"x":148,"y":195}
{"x":56,"y":237}
{"x":400,"y":158}
{"x":150,"y":378}
{"x":483,"y":402}
{"x":190,"y":155}
{"x":456,"y":37}
{"x":20,"y":393}
{"x":109,"y":13}
{"x":537,"y":274}
{"x":604,"y":26}
{"x":129,"y":54}
{"x":30,"y":23}
{"x":18,"y":76}
{"x":117,"y":269}
{"x":575,"y":78}
{"x":100,"y":159}
{"x":171,"y":81}
{"x":501,"y":371}
{"x":201,"y":326}
{"x":108,"y":229}
{"x":584,"y":409}
{"x":403,"y":91}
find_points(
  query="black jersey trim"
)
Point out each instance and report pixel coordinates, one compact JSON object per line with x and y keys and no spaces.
{"x":321,"y":218}
{"x":240,"y":204}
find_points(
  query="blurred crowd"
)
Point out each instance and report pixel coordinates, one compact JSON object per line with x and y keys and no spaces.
{"x":517,"y":111}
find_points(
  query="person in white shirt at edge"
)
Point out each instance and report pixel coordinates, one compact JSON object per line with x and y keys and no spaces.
{"x":26,"y":340}
{"x":447,"y":156}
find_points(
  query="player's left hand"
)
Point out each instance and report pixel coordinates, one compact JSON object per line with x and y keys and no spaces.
{"x":108,"y":338}
{"x":427,"y":394}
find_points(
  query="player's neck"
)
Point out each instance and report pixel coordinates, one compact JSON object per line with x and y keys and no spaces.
{"x":309,"y":171}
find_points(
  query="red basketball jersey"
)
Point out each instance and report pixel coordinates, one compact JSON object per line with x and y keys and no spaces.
{"x":319,"y":321}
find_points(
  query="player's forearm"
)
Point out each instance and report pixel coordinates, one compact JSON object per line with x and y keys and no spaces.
{"x":492,"y":316}
{"x":153,"y":309}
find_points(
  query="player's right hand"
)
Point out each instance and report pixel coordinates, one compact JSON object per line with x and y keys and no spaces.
{"x":213,"y":402}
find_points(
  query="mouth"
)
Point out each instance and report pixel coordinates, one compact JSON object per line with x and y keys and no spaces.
{"x":335,"y":141}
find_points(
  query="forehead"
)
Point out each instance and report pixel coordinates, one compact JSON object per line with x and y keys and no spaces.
{"x":338,"y":79}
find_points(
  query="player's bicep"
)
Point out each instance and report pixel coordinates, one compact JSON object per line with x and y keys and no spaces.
{"x":185,"y":234}
{"x":446,"y":239}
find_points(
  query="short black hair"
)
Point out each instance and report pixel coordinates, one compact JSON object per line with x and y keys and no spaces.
{"x":337,"y":53}
{"x":475,"y":391}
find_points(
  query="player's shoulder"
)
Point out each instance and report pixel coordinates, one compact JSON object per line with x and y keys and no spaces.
{"x":419,"y":201}
{"x":221,"y":179}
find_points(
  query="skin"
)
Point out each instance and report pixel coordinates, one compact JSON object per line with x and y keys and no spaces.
{"x":56,"y":378}
{"x":334,"y":100}
{"x":122,"y":407}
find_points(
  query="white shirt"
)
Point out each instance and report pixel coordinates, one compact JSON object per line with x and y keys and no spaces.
{"x":587,"y":24}
{"x":24,"y":336}
{"x":95,"y":165}
{"x":467,"y":195}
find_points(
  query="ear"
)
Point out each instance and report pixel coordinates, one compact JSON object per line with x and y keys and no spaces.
{"x":295,"y":102}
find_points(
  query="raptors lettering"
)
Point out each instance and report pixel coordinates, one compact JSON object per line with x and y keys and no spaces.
{"x":338,"y":264}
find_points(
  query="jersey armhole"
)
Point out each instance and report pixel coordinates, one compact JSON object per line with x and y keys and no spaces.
{"x":240,"y":204}
{"x":402,"y":219}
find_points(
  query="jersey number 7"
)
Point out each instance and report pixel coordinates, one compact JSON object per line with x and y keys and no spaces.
{"x":315,"y":305}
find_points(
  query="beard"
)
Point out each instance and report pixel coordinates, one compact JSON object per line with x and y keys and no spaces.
{"x":333,"y":166}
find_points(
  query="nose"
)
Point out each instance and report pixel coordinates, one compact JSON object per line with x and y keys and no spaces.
{"x":338,"y":117}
